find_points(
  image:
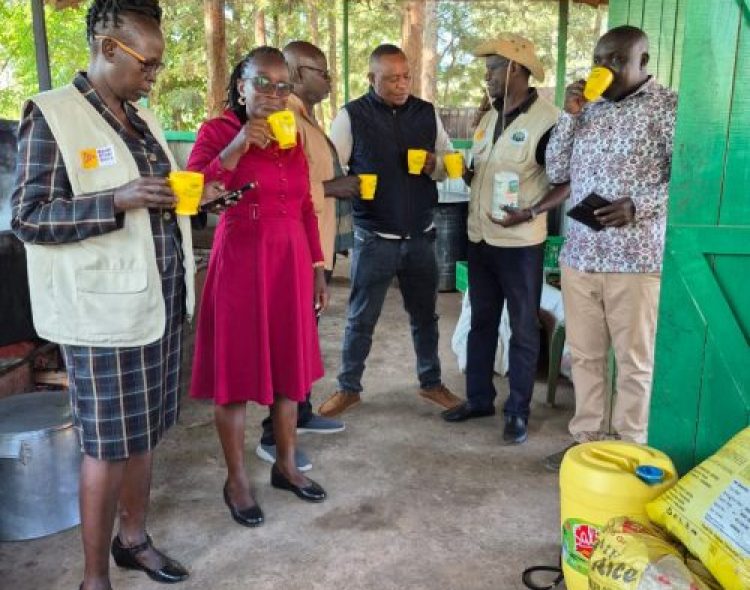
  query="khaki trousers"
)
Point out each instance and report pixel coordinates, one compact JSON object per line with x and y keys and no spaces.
{"x":618,"y":310}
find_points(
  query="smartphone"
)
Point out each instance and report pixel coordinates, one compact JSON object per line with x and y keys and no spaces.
{"x":230,"y":198}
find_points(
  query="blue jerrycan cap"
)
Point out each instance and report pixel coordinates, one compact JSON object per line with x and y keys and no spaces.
{"x":650,"y":474}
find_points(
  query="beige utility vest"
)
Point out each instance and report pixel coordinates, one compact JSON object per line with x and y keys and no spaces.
{"x":514,"y":151}
{"x":105,"y":290}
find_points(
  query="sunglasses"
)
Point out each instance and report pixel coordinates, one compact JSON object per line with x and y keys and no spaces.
{"x":263,"y":85}
{"x":325,"y":74}
{"x":147,"y":66}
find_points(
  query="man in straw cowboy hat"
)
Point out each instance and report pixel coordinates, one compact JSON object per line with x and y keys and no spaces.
{"x":510,"y":194}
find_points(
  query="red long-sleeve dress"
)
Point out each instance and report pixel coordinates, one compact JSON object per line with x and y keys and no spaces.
{"x":256,"y":336}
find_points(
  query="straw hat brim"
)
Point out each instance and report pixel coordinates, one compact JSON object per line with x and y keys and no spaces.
{"x":520,"y":53}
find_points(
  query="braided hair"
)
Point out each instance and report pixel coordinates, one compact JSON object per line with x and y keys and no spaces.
{"x":233,"y":94}
{"x":103,"y":12}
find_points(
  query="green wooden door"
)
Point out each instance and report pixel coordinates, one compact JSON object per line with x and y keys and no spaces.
{"x":701,"y":392}
{"x":664,"y":22}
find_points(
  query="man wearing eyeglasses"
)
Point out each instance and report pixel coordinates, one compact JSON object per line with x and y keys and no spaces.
{"x":394,"y":235}
{"x":311,"y":84}
{"x":506,"y":246}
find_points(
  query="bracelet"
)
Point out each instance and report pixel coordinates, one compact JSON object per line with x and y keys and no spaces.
{"x":533,"y":212}
{"x":320,"y":264}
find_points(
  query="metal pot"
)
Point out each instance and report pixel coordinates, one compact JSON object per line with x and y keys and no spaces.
{"x":40,"y":460}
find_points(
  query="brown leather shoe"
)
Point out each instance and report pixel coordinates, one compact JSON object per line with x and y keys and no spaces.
{"x":441,"y":396}
{"x":338,"y":403}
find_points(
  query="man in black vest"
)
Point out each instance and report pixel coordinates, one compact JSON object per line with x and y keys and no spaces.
{"x":394,"y":235}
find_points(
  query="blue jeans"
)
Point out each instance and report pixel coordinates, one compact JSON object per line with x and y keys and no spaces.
{"x":375,"y":261}
{"x":497,"y":275}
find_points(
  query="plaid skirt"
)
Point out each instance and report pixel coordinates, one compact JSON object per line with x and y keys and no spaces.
{"x":124,"y":399}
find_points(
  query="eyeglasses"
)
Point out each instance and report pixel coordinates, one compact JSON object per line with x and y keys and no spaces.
{"x":325,"y":74}
{"x":498,"y":64}
{"x":147,"y":66}
{"x":263,"y":85}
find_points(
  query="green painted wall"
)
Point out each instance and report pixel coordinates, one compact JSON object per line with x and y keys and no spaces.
{"x":664,"y":22}
{"x":701,"y":393}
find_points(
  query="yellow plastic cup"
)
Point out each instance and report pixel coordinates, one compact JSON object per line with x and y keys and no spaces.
{"x":454,"y":164}
{"x":598,"y":81}
{"x":188,"y":188}
{"x":367,"y":185}
{"x":416,"y":159}
{"x":284,"y":128}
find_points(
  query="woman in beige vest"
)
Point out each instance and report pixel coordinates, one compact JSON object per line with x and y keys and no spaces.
{"x":110,"y":271}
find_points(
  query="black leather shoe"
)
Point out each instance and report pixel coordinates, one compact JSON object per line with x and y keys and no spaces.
{"x":310,"y":493}
{"x":250,"y":517}
{"x":515,"y":431}
{"x":170,"y":573}
{"x":465,"y":412}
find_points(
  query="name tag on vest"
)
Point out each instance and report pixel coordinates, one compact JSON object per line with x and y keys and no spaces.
{"x":93,"y":158}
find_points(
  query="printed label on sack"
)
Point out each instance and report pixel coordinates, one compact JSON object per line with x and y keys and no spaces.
{"x":729,"y":515}
{"x":578,"y":540}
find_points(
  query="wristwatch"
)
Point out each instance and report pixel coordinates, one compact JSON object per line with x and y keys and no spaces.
{"x":533,"y":212}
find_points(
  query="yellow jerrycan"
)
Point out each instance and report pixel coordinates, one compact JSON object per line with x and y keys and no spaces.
{"x":600,"y":481}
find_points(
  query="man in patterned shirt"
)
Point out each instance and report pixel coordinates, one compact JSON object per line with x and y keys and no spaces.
{"x":619,"y":147}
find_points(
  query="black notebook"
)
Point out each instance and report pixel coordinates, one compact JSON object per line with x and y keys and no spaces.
{"x":584,"y":211}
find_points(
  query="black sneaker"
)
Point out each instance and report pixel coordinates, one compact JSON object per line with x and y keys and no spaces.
{"x":515,"y":431}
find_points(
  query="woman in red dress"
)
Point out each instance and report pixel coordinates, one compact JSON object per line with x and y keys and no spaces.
{"x":256,"y":338}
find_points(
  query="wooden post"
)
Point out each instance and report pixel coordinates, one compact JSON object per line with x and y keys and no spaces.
{"x":412,"y":33}
{"x":345,"y":55}
{"x":562,"y":50}
{"x":216,"y":53}
{"x":40,"y":45}
{"x":333,"y":62}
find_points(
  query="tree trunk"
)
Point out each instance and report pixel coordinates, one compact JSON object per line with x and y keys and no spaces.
{"x":312,"y":11}
{"x":333,"y":61}
{"x":412,"y":32}
{"x":429,"y":52}
{"x":598,"y":24}
{"x":276,"y":29}
{"x":261,"y":37}
{"x":216,"y":52}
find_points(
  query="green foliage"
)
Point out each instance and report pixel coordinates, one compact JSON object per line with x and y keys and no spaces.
{"x":66,"y":36}
{"x":179,"y":94}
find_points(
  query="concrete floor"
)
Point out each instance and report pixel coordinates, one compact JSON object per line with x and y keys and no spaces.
{"x":414,"y":503}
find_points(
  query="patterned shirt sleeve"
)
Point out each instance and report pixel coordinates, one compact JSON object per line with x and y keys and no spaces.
{"x":560,"y":148}
{"x":44,"y":209}
{"x":654,"y":203}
